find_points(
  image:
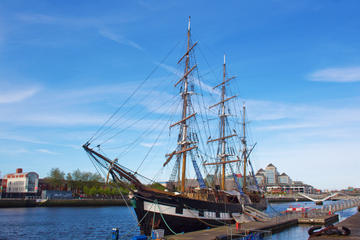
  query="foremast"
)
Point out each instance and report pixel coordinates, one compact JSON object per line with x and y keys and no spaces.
{"x":245,"y":151}
{"x":223,"y":155}
{"x":185,"y":144}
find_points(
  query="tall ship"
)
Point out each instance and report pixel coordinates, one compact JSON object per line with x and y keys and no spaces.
{"x":220,"y":197}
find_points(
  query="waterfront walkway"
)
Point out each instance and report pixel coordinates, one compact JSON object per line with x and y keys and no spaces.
{"x":321,"y":216}
{"x":274,"y":225}
{"x":353,"y":223}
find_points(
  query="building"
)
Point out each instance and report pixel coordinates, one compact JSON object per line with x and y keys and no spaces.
{"x":20,"y":182}
{"x":271,"y":174}
{"x":284,"y":179}
{"x":260,"y":177}
{"x":271,"y":181}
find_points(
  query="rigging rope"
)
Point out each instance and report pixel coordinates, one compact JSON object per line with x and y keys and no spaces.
{"x":133,"y":93}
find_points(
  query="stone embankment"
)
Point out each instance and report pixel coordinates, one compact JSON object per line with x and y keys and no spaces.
{"x":10,"y":203}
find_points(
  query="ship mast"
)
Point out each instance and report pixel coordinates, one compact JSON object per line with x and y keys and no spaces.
{"x":223,"y":117}
{"x":222,"y":127}
{"x":184,"y":112}
{"x":243,"y":140}
{"x":184,"y":145}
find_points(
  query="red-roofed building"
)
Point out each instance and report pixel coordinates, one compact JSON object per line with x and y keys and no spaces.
{"x":20,"y":182}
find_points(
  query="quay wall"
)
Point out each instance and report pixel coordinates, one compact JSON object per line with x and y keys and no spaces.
{"x":13,"y":203}
{"x":83,"y":203}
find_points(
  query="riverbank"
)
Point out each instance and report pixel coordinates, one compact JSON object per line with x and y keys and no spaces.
{"x":16,"y":203}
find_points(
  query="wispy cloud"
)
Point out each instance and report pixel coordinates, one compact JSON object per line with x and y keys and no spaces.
{"x":346,"y":74}
{"x":119,"y":39}
{"x":46,"y":151}
{"x":58,"y":119}
{"x":17,"y":95}
{"x":277,"y":116}
{"x":9,"y":136}
{"x":36,"y":18}
{"x":276,"y":127}
{"x":148,"y":145}
{"x":197,"y":81}
{"x":14,"y":151}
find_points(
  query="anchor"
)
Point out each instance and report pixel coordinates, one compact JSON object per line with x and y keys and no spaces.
{"x":329,"y":230}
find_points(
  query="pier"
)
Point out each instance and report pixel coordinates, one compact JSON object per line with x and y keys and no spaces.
{"x":316,"y":216}
{"x":353,"y":223}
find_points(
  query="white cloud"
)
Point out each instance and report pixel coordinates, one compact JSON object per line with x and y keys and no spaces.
{"x":149,"y":145}
{"x":119,"y":39}
{"x":74,"y":21}
{"x":346,"y":74}
{"x":9,"y":136}
{"x":46,"y":151}
{"x":17,"y":96}
{"x":277,"y":127}
{"x":60,"y":119}
{"x":196,"y":81}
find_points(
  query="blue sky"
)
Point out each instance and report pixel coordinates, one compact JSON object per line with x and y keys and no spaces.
{"x":65,"y":67}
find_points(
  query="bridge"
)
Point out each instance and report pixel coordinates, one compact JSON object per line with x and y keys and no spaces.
{"x":318,"y":201}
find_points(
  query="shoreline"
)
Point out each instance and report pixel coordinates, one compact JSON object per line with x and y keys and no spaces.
{"x":19,"y":203}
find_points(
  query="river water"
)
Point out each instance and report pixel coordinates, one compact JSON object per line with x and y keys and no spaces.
{"x":96,"y":223}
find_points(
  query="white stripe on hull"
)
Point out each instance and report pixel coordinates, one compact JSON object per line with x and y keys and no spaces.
{"x":189,"y":213}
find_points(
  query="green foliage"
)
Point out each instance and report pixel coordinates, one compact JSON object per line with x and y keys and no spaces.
{"x":55,"y":173}
{"x":78,"y":175}
{"x":157,"y":186}
{"x":90,"y":184}
{"x":56,"y":177}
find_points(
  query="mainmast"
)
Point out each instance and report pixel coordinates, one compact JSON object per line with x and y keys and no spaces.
{"x":243,"y":140}
{"x":223,"y":155}
{"x":185,"y":94}
{"x":184,"y":145}
{"x":222,"y":128}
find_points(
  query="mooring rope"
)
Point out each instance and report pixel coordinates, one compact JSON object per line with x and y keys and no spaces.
{"x":173,"y":232}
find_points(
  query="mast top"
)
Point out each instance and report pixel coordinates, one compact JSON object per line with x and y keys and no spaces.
{"x":224,"y":58}
{"x":189,"y":24}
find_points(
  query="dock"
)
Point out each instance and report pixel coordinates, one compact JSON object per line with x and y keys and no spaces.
{"x":353,"y":223}
{"x":319,"y":216}
{"x":276,"y":224}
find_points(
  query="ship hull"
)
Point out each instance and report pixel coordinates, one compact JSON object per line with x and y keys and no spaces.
{"x":176,"y":214}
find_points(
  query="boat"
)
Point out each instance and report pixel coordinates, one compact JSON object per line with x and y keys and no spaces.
{"x":180,"y":207}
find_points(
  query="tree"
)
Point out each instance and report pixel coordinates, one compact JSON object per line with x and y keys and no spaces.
{"x":92,"y":191}
{"x":56,"y":177}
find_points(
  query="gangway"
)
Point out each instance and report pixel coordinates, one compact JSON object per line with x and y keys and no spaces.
{"x":256,"y":214}
{"x":318,"y":201}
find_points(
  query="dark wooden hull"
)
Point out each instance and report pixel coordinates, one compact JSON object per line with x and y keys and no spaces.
{"x":177,"y":214}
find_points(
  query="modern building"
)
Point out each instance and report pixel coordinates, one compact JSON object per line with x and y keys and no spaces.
{"x":20,"y":182}
{"x":260,"y":177}
{"x":284,"y":179}
{"x":271,"y":174}
{"x":271,"y":181}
